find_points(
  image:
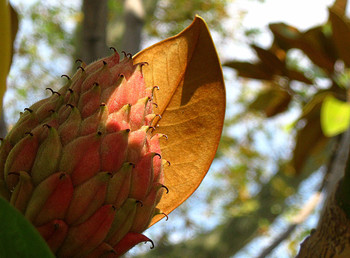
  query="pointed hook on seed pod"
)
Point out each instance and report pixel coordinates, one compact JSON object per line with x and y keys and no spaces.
{"x":78,"y":60}
{"x":166,"y":216}
{"x":113,"y":48}
{"x":140,"y":202}
{"x":151,"y":127}
{"x":129,"y":55}
{"x":142,"y":64}
{"x":80,"y":67}
{"x":53,"y":92}
{"x":157,"y":115}
{"x":161,"y":135}
{"x":29,"y":110}
{"x":155,"y":87}
{"x":166,"y":188}
{"x":65,"y":75}
{"x":149,"y":240}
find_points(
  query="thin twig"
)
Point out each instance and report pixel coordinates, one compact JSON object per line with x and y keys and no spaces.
{"x":303,"y":214}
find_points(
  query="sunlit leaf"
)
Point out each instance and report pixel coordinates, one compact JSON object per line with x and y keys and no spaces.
{"x":191,"y":100}
{"x":5,"y":45}
{"x":285,"y":35}
{"x":335,"y":116}
{"x":340,"y":5}
{"x":318,"y":47}
{"x":18,"y":237}
{"x":14,"y":28}
{"x":313,"y":42}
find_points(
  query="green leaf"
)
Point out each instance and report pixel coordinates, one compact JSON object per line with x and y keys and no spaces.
{"x":18,"y":238}
{"x":335,"y":116}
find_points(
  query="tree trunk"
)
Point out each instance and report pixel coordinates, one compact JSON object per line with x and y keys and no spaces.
{"x":3,"y":127}
{"x":94,"y":30}
{"x":331,"y":238}
{"x":134,"y":20}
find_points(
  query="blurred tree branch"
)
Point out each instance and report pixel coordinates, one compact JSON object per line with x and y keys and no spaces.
{"x":331,"y":237}
{"x":230,"y":237}
{"x":303,"y":214}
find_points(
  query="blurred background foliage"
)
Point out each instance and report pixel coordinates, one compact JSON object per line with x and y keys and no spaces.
{"x":273,"y":154}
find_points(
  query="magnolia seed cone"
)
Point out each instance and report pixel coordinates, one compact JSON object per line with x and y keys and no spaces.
{"x":82,"y":165}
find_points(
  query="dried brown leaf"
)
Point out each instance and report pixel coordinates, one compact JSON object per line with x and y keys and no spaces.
{"x":340,"y":35}
{"x":191,"y":100}
{"x":272,"y":101}
{"x":310,"y":140}
{"x":252,"y":71}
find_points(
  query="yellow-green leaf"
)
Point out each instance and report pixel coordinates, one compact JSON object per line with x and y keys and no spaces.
{"x":5,"y":45}
{"x":191,"y":100}
{"x":8,"y":30}
{"x":335,"y":116}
